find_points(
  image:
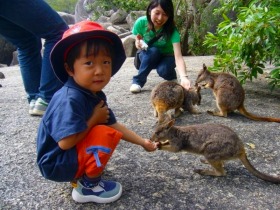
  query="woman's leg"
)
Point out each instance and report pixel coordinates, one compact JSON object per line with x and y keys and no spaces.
{"x":166,"y":68}
{"x":149,"y":60}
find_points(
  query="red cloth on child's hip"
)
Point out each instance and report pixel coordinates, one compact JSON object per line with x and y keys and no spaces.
{"x":96,"y":149}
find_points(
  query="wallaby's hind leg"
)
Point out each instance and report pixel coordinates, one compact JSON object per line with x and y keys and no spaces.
{"x":221,"y":113}
{"x":217,"y":171}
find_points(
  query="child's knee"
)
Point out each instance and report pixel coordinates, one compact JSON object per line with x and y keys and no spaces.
{"x":96,"y":149}
{"x":102,"y":131}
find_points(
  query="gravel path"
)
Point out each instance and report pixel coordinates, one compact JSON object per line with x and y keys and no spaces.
{"x":158,"y":180}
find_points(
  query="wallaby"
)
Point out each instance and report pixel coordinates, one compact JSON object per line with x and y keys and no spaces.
{"x":170,"y":95}
{"x":217,"y":143}
{"x":229,"y":94}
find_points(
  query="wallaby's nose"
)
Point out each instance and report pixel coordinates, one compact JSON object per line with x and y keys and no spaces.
{"x":153,"y":137}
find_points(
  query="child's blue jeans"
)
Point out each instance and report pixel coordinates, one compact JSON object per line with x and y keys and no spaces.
{"x":153,"y":59}
{"x":24,"y":23}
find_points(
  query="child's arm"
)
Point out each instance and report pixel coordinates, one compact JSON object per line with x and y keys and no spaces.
{"x":100,"y":115}
{"x":132,"y":137}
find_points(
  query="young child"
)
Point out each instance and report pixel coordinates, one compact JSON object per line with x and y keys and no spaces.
{"x":78,"y":133}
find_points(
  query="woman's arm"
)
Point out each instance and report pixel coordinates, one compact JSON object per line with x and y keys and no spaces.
{"x":181,"y":66}
{"x":132,"y":137}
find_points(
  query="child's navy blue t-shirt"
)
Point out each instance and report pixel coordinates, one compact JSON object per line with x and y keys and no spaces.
{"x":67,"y":114}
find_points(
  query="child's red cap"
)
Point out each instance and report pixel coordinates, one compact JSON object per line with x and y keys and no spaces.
{"x":77,"y":33}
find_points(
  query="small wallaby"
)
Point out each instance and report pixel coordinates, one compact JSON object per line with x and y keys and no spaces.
{"x":217,"y":143}
{"x":229,"y":94}
{"x":170,"y":95}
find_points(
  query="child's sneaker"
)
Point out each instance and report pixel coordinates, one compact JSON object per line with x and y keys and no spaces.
{"x":103,"y":192}
{"x":39,"y":107}
{"x":31,"y":106}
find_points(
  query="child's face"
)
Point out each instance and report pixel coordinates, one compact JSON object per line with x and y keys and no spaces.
{"x":158,"y":17}
{"x":92,"y":73}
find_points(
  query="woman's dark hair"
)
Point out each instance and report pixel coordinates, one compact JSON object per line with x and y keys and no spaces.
{"x":93,"y":46}
{"x":168,"y":8}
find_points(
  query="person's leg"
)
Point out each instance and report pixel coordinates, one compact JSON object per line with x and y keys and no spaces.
{"x":93,"y":154}
{"x":39,"y":19}
{"x":52,"y":31}
{"x":149,"y":60}
{"x":166,"y":68}
{"x":29,"y":55}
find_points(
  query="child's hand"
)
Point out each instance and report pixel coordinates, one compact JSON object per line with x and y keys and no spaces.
{"x":100,"y":113}
{"x":149,"y":145}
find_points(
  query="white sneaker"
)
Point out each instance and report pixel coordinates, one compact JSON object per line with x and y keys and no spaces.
{"x":39,"y":107}
{"x":31,"y":106}
{"x":104,"y":192}
{"x":134,"y":88}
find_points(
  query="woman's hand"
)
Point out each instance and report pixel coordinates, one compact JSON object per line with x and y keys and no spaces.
{"x":185,"y":82}
{"x":137,"y":42}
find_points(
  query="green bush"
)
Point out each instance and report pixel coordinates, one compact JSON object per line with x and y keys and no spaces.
{"x":131,"y":5}
{"x":67,"y":6}
{"x":244,"y":46}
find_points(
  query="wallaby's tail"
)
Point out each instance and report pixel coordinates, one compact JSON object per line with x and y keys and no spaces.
{"x":251,"y":116}
{"x":255,"y":172}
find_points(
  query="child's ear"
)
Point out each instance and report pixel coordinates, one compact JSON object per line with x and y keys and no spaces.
{"x":68,"y":69}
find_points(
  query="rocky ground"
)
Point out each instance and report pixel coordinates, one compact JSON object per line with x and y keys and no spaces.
{"x":158,"y":180}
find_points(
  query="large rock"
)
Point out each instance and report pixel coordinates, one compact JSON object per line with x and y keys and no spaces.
{"x":15,"y":59}
{"x":68,"y":18}
{"x":118,"y":17}
{"x":81,"y":13}
{"x":129,"y":45}
{"x":133,"y":16}
{"x":6,"y":51}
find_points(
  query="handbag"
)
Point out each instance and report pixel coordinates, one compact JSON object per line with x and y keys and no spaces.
{"x":137,"y":61}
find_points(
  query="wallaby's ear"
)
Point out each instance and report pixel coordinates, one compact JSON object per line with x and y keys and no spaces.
{"x":204,"y":67}
{"x":197,"y":87}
